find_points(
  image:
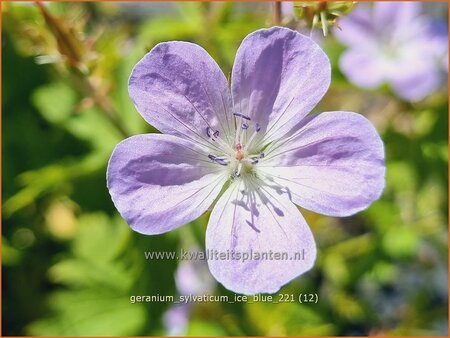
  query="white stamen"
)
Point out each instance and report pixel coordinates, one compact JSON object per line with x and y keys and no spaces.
{"x":238,"y":170}
{"x":257,"y":129}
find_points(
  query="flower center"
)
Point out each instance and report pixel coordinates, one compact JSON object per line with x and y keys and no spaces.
{"x":239,"y":152}
{"x":237,"y":157}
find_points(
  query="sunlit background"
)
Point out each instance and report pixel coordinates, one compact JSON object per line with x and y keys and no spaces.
{"x":70,"y":263}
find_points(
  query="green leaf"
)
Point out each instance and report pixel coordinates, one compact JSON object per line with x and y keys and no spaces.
{"x":10,"y":255}
{"x":82,"y":273}
{"x":99,"y":238}
{"x":400,"y":241}
{"x":56,"y":102}
{"x":201,"y":328}
{"x":91,"y":313}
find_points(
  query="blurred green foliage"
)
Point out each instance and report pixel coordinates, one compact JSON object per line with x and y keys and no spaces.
{"x":70,"y":263}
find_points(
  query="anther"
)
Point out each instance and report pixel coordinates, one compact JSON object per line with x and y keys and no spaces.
{"x":221,"y":161}
{"x":242,"y":115}
{"x":257,"y":129}
{"x":211,"y":133}
{"x":244,"y":126}
{"x":255,"y":158}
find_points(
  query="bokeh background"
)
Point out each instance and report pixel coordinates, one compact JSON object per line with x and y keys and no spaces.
{"x":70,"y":263}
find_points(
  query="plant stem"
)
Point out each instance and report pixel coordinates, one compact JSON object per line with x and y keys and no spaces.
{"x":73,"y":49}
{"x":88,"y":89}
{"x":105,"y":105}
{"x":277,"y":13}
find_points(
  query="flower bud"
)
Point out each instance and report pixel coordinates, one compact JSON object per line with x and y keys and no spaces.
{"x":322,"y":13}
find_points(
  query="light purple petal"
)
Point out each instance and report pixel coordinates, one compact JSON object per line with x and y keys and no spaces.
{"x":395,"y":15}
{"x":192,"y":277}
{"x":438,"y":43}
{"x":287,"y":10}
{"x":363,"y":67}
{"x":160,"y":182}
{"x":179,"y":89}
{"x":356,"y":29}
{"x":176,"y":319}
{"x":278,"y":77}
{"x":251,"y":221}
{"x":414,"y":79}
{"x":333,"y":165}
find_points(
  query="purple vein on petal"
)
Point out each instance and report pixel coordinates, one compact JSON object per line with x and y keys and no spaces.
{"x":226,"y":131}
{"x":199,"y":134}
{"x":196,"y":191}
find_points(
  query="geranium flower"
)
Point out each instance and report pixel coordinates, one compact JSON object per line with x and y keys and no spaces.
{"x":253,"y":149}
{"x":391,"y":42}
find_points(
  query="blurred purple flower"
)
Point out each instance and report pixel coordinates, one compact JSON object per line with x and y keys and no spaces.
{"x":255,"y":143}
{"x":176,"y":319}
{"x":191,"y":278}
{"x":392,"y":42}
{"x":287,"y":10}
